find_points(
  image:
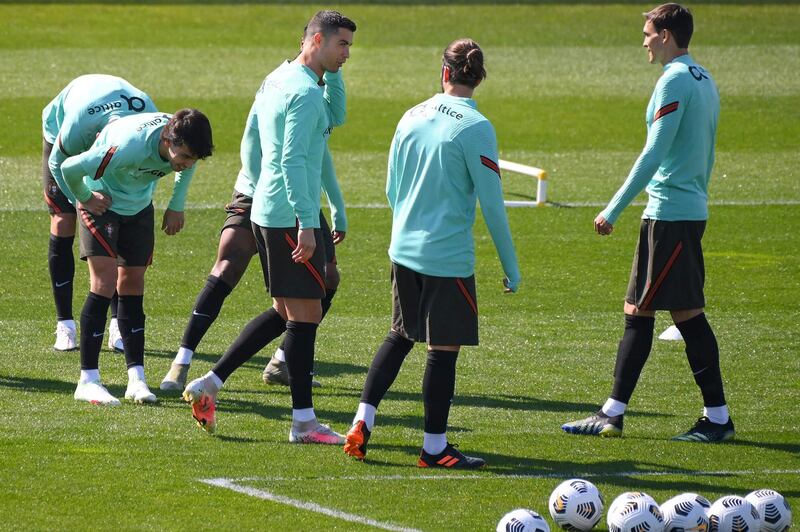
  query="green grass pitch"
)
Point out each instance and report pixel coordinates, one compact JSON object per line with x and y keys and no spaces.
{"x":567,"y":90}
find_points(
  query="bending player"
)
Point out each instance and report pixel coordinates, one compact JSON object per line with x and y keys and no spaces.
{"x":70,"y":124}
{"x":114,"y":183}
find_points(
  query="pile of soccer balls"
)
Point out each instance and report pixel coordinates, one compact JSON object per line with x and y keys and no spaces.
{"x":576,"y":505}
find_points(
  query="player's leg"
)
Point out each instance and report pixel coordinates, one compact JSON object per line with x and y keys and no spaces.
{"x":99,"y":248}
{"x":60,"y":260}
{"x":236,"y":247}
{"x":136,"y":242}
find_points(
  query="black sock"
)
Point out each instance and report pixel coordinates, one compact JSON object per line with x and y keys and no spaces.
{"x":131,"y":318}
{"x":261,"y":330}
{"x":438,"y":386}
{"x":93,"y":326}
{"x":326,"y":305}
{"x":634,"y":348}
{"x":114,"y":305}
{"x":385,"y":367}
{"x":703,"y":354}
{"x":62,"y":271}
{"x":206,"y":309}
{"x":300,"y":338}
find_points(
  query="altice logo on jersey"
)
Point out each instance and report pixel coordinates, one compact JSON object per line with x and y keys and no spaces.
{"x":134,"y":104}
{"x":163,"y":119}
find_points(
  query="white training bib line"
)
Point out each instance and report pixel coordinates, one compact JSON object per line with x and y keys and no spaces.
{"x":302,"y":505}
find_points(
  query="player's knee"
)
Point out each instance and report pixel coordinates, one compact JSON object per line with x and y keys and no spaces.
{"x":331,"y":276}
{"x":63,"y":224}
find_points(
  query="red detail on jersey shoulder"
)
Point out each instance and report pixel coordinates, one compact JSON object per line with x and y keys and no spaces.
{"x":667,"y":109}
{"x":106,"y":159}
{"x":490,"y":164}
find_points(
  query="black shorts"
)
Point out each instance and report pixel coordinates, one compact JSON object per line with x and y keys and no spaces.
{"x":435,"y":310}
{"x":282,"y":276}
{"x":57,"y":202}
{"x":238,"y":211}
{"x":130,"y":239}
{"x":668,"y":272}
{"x":327,"y":239}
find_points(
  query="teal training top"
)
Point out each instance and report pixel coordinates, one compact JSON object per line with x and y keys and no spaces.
{"x":124,"y":162}
{"x":293,"y":120}
{"x":675,"y":165}
{"x":442,"y":159}
{"x":250,"y":149}
{"x":72,"y":120}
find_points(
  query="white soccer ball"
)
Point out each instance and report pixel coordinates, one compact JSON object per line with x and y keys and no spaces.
{"x":576,"y":504}
{"x":628,"y":495}
{"x":732,"y":513}
{"x":522,"y":520}
{"x":686,"y":513}
{"x":635,"y":513}
{"x":776,"y":515}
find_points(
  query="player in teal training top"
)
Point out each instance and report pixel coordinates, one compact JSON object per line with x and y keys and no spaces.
{"x":668,"y":271}
{"x":113,"y":183}
{"x":293,"y":121}
{"x":237,"y":243}
{"x":443,"y":159}
{"x":70,"y":124}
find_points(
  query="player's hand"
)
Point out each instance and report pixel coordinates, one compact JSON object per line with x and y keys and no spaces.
{"x":306,"y":243}
{"x":172,"y":222}
{"x":338,"y":236}
{"x":602,"y":226}
{"x":97,"y":204}
{"x":510,"y":287}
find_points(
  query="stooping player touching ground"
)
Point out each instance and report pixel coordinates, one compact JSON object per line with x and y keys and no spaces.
{"x":442,"y":159}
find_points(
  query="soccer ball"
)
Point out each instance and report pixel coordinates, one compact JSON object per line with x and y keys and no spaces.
{"x":776,"y":515}
{"x":732,"y":513}
{"x":686,"y":513}
{"x":576,"y":504}
{"x":636,"y":512}
{"x":522,"y":520}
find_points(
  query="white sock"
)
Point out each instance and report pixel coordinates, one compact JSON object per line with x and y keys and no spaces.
{"x":612,"y":407}
{"x":434,"y":443}
{"x":135,"y":373}
{"x":303,"y":414}
{"x":184,"y":356}
{"x":215,"y":379}
{"x":365,"y":413}
{"x":717,"y":414}
{"x":89,"y":375}
{"x":68,"y":323}
{"x":279,"y":355}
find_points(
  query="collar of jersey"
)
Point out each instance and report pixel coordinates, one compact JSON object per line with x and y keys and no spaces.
{"x":686,"y":59}
{"x":456,"y":99}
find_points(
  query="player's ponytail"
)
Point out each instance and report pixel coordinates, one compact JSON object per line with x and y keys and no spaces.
{"x":464,"y":58}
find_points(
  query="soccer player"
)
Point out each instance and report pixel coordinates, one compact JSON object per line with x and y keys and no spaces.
{"x":113,"y":183}
{"x":668,"y":272}
{"x":293,"y":120}
{"x":70,"y":123}
{"x":442,"y":159}
{"x":237,"y":243}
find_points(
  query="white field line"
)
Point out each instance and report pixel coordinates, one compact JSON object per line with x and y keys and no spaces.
{"x":302,"y":505}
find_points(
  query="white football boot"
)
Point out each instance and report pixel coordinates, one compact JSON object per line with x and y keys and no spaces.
{"x":95,"y":393}
{"x":138,"y":392}
{"x":115,"y":337}
{"x":66,"y":336}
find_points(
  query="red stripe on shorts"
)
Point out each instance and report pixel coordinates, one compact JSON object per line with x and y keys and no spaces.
{"x":661,"y":276}
{"x":96,"y":234}
{"x":52,"y":204}
{"x":308,"y":265}
{"x":467,"y":295}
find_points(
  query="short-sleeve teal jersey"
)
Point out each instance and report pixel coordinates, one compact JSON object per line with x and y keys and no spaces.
{"x":443,"y":159}
{"x":125,"y":163}
{"x":293,"y":122}
{"x":675,"y":165}
{"x":72,"y":120}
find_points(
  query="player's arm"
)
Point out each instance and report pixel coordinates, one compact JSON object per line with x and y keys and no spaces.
{"x":335,"y":199}
{"x":93,"y":163}
{"x":301,"y":118}
{"x":391,"y":174}
{"x":68,"y":142}
{"x":335,"y":97}
{"x":480,"y":150}
{"x":670,"y":104}
{"x":56,"y":159}
{"x":173,"y":219}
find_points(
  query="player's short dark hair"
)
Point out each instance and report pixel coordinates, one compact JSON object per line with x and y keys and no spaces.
{"x":675,"y":18}
{"x":464,"y":58}
{"x":190,"y":128}
{"x":328,"y":22}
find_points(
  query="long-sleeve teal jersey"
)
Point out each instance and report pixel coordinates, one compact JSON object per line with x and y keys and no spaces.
{"x":293,"y":121}
{"x":675,"y":165}
{"x":443,"y":159}
{"x":250,"y":148}
{"x":72,"y":120}
{"x":124,"y":162}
